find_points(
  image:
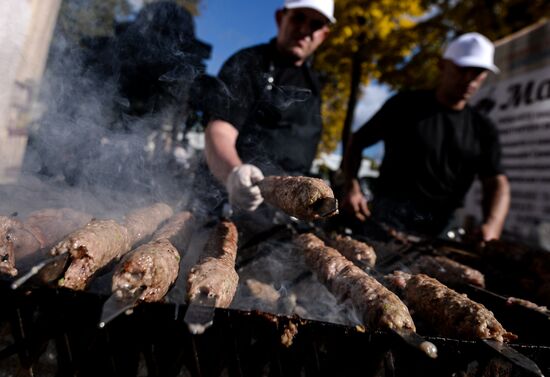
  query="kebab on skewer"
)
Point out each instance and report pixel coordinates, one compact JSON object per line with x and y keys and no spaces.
{"x":360,"y":253}
{"x":21,"y":240}
{"x":378,"y":307}
{"x":143,"y":222}
{"x":154,"y":266}
{"x":214,"y":278}
{"x":450,"y":313}
{"x":447,"y":271}
{"x":302,"y":197}
{"x":101,"y":241}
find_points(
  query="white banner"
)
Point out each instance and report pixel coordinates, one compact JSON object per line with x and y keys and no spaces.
{"x":518,"y":101}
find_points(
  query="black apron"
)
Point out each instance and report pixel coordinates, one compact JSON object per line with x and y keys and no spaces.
{"x":283,"y":132}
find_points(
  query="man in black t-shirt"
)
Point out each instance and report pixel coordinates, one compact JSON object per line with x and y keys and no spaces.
{"x":435,"y":146}
{"x":267,"y":118}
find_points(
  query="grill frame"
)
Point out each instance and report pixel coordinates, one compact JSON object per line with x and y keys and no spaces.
{"x":240,"y":343}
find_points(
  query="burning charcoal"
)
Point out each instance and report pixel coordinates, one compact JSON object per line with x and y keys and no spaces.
{"x":378,"y":307}
{"x":447,"y":271}
{"x":142,"y":222}
{"x":356,"y":251}
{"x":215,"y":276}
{"x":450,"y":313}
{"x":302,"y":197}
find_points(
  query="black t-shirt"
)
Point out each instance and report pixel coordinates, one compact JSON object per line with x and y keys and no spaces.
{"x":432,"y":154}
{"x":274,"y":105}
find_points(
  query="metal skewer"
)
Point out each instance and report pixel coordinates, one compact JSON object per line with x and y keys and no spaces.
{"x":514,"y":356}
{"x":119,"y":302}
{"x":200,"y":314}
{"x":47,"y":271}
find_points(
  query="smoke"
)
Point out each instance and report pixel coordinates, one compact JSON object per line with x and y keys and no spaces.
{"x":278,"y":281}
{"x":116,"y":110}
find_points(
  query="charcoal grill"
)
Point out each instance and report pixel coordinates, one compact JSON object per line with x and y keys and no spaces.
{"x":47,"y":331}
{"x":55,"y":332}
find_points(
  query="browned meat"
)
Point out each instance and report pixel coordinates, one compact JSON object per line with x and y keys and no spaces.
{"x":215,"y":274}
{"x":378,"y":307}
{"x":154,"y":266}
{"x":13,"y":236}
{"x":527,"y":304}
{"x":450,"y":313}
{"x":20,"y":240}
{"x":55,"y":223}
{"x":91,"y":248}
{"x":356,"y":251}
{"x":264,"y":292}
{"x":303,"y":197}
{"x":447,"y":271}
{"x":177,"y":230}
{"x":142,"y":222}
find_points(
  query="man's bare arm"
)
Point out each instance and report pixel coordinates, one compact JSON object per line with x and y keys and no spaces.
{"x":496,"y":203}
{"x":220,"y":148}
{"x":354,"y":202}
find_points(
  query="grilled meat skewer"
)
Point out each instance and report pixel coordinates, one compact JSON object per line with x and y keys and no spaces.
{"x":143,"y":222}
{"x":452,"y":314}
{"x":378,"y":307}
{"x":358,"y":252}
{"x":101,"y":241}
{"x":154,"y":266}
{"x":91,"y":248}
{"x":447,"y":271}
{"x":302,"y":197}
{"x":41,"y":229}
{"x":14,"y":239}
{"x":215,"y":276}
{"x":177,"y":230}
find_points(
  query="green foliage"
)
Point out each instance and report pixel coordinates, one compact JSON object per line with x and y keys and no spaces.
{"x":91,"y":18}
{"x":399,"y":42}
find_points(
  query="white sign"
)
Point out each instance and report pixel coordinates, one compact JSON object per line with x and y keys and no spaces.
{"x":518,"y":101}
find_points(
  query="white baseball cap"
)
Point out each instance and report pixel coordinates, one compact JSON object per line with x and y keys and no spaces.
{"x":325,"y":7}
{"x":472,"y":50}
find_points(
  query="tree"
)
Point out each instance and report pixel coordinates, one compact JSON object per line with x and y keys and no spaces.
{"x":399,"y":43}
{"x":92,"y":18}
{"x":366,"y":33}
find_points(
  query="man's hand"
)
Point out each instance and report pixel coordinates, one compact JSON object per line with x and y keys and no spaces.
{"x":490,"y":232}
{"x":355,"y":203}
{"x":242,"y":189}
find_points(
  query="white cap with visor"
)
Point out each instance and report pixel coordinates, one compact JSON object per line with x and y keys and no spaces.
{"x":325,"y":7}
{"x":472,"y":50}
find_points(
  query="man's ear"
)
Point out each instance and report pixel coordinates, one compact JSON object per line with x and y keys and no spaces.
{"x":442,"y":65}
{"x":279,"y":13}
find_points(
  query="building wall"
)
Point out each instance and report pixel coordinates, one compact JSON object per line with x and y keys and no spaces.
{"x":26,"y":28}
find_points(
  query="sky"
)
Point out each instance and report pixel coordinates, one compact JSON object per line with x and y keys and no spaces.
{"x":229,"y":25}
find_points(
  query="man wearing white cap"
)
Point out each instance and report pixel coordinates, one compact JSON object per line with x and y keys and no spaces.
{"x":435,"y":146}
{"x":268,"y":118}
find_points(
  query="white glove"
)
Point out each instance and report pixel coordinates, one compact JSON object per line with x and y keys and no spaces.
{"x":242,"y":189}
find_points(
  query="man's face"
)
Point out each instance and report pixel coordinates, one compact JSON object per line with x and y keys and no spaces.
{"x":461,"y":83}
{"x":301,"y":31}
